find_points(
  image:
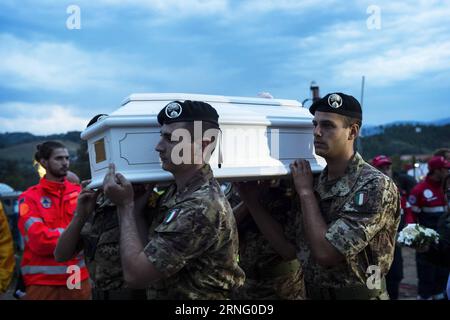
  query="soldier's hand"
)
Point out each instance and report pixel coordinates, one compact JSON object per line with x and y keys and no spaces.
{"x":86,"y":200}
{"x":248,"y":191}
{"x":117,"y":188}
{"x":141,"y":189}
{"x":302,"y":176}
{"x":142,"y":193}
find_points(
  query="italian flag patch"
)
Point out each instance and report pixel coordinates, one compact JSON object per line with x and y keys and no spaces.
{"x":361,"y":198}
{"x":172,"y":215}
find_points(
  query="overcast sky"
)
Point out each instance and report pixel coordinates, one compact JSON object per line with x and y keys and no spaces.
{"x":54,"y":78}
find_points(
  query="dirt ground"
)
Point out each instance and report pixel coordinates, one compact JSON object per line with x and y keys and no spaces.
{"x":408,"y":286}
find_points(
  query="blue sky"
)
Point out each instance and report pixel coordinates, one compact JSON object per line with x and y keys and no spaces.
{"x":54,"y":79}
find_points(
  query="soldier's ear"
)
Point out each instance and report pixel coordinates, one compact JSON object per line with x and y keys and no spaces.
{"x":354,"y":131}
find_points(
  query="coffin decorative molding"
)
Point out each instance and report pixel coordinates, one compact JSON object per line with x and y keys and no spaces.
{"x":260,"y":138}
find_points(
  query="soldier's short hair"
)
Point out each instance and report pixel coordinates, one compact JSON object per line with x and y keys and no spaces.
{"x":349,"y":121}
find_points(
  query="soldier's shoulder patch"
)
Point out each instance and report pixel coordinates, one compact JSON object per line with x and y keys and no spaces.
{"x":172,"y":215}
{"x":361,"y":198}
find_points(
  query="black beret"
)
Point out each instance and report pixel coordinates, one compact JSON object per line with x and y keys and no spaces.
{"x":95,"y":119}
{"x":339,"y":103}
{"x":187,"y":111}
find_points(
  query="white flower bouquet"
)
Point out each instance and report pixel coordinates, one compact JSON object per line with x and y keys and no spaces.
{"x":416,"y":236}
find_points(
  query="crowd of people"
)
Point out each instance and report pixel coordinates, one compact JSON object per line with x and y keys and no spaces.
{"x":325,"y":236}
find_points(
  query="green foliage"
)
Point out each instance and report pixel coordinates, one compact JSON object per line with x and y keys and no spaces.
{"x":403,"y":139}
{"x":81,"y":165}
{"x":18,"y":175}
{"x":17,"y":151}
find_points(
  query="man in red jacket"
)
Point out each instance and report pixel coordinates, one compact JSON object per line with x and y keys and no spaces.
{"x":45,"y":210}
{"x":428,"y":205}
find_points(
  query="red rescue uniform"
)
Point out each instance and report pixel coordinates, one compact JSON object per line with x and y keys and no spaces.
{"x":406,"y":209}
{"x":427,"y":202}
{"x":45,"y":211}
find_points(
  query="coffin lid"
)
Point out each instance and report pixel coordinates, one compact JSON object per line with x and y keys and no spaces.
{"x":142,"y":110}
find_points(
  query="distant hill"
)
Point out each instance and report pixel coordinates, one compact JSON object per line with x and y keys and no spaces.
{"x":406,"y":139}
{"x":369,"y":130}
{"x":25,"y":151}
{"x":17,"y":152}
{"x":15,"y":138}
{"x":442,"y":122}
{"x":17,"y":149}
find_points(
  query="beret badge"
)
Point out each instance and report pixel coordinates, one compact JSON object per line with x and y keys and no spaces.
{"x":335,"y":101}
{"x":173,"y":110}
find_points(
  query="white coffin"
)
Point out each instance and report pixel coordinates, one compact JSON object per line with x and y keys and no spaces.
{"x":261,"y":137}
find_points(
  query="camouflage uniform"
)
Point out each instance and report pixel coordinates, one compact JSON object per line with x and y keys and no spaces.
{"x":100,"y":241}
{"x":193,"y":242}
{"x":268,"y":276}
{"x":362,"y":212}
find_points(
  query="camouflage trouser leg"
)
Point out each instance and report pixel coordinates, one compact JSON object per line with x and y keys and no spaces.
{"x":287,"y":287}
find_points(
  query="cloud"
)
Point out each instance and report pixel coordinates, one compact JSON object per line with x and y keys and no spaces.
{"x":398,"y":64}
{"x":41,"y":119}
{"x":57,"y":66}
{"x":292,"y":6}
{"x":171,"y":7}
{"x":413,"y":41}
{"x":219,"y":47}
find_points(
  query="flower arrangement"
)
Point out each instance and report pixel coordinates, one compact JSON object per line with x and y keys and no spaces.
{"x":417,"y":236}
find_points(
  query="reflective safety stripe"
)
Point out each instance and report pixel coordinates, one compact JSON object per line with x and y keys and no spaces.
{"x":32,"y":221}
{"x":415,"y":209}
{"x":437,"y":209}
{"x":60,"y":230}
{"x":48,"y":269}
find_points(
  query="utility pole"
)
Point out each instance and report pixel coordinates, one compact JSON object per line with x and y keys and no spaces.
{"x":362,"y":89}
{"x":358,"y":141}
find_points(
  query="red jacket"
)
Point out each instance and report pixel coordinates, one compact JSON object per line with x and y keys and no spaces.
{"x":45,"y":210}
{"x":427,"y":202}
{"x":406,"y":209}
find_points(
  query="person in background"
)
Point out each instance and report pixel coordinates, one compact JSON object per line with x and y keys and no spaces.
{"x":268,"y":226}
{"x":45,"y":210}
{"x":395,"y":274}
{"x":7,"y":260}
{"x":95,"y":231}
{"x":72,"y":177}
{"x":428,"y":204}
{"x":443,"y":152}
{"x":439,"y":253}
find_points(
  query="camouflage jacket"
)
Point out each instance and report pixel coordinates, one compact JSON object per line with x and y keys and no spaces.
{"x":100,"y":238}
{"x":257,"y":257}
{"x":362,"y":212}
{"x":193,"y":242}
